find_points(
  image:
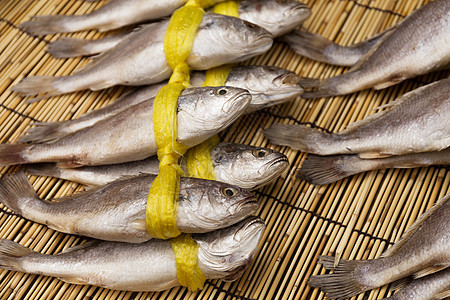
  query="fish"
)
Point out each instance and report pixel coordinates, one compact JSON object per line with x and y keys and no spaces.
{"x":140,"y":59}
{"x":423,"y":249}
{"x":319,"y":48}
{"x":244,"y":166}
{"x":148,"y":266}
{"x":418,"y":121}
{"x":277,"y":17}
{"x":328,"y":169}
{"x":117,"y":211}
{"x":417,"y":45}
{"x":267,"y":85}
{"x":284,"y":16}
{"x":114,"y":14}
{"x":129,"y":135}
{"x":431,"y":287}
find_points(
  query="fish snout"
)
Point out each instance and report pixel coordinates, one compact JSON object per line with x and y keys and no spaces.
{"x":238,"y":102}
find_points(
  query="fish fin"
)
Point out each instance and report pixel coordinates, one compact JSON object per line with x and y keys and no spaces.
{"x":392,"y":80}
{"x":11,"y":154}
{"x":36,"y":85}
{"x":298,"y":137}
{"x":373,"y":155}
{"x":401,"y":283}
{"x":44,"y":169}
{"x":138,"y":224}
{"x":41,"y":25}
{"x":88,"y":244}
{"x":341,"y":284}
{"x":414,"y":227}
{"x":442,"y":295}
{"x":430,"y":270}
{"x":325,"y":87}
{"x":10,"y":254}
{"x":68,"y":47}
{"x":74,"y":280}
{"x":15,"y":189}
{"x":307,"y":83}
{"x":42,"y":132}
{"x":320,"y":170}
{"x":310,"y":45}
{"x":68,"y":165}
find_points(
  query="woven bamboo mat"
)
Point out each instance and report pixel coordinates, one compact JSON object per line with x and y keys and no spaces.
{"x":358,"y":217}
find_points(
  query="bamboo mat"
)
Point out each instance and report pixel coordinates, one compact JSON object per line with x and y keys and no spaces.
{"x":358,"y":217}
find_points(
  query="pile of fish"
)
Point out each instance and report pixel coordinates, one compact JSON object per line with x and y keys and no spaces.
{"x":112,"y":150}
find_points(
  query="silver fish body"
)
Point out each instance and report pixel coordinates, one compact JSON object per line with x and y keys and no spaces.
{"x":425,"y":245}
{"x":245,"y":166}
{"x":117,"y":211}
{"x":430,"y":287}
{"x":417,"y":45}
{"x":277,"y":17}
{"x":267,"y":85}
{"x":129,"y":135}
{"x":327,"y":169}
{"x":140,"y":59}
{"x":224,"y":253}
{"x":112,"y":15}
{"x":417,"y":122}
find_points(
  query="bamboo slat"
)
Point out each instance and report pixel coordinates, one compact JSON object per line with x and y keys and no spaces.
{"x":358,"y":217}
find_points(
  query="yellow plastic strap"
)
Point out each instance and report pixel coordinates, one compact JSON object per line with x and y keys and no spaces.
{"x":198,"y":160}
{"x":163,"y":195}
{"x":180,"y":34}
{"x":229,"y":8}
{"x":186,"y":256}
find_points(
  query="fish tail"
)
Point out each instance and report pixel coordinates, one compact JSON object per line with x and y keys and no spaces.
{"x":11,"y":154}
{"x":324,"y":88}
{"x":309,"y":45}
{"x":15,"y":190}
{"x":36,"y":85}
{"x":41,"y":25}
{"x":42,"y":132}
{"x":68,"y":47}
{"x":325,"y":169}
{"x":50,"y":170}
{"x":11,"y":254}
{"x":299,"y":137}
{"x":342,"y":283}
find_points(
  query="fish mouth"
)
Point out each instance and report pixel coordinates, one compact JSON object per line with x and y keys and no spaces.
{"x":274,"y":168}
{"x":248,"y":205}
{"x":302,"y":11}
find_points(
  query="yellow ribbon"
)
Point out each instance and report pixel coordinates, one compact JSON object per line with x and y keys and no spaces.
{"x":163,"y":194}
{"x":186,"y":257}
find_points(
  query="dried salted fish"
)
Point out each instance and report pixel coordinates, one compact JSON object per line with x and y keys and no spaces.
{"x":129,"y":135}
{"x":423,"y":249}
{"x":418,"y":121}
{"x":224,"y":253}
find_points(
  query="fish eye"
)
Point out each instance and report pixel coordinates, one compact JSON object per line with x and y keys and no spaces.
{"x":222,"y":92}
{"x":229,"y":192}
{"x":260,"y":153}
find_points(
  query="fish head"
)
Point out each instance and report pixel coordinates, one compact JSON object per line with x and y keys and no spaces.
{"x":268,"y":85}
{"x":206,"y":205}
{"x":245,"y":166}
{"x":277,"y":16}
{"x":205,"y":111}
{"x":223,"y":39}
{"x":226,"y":253}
